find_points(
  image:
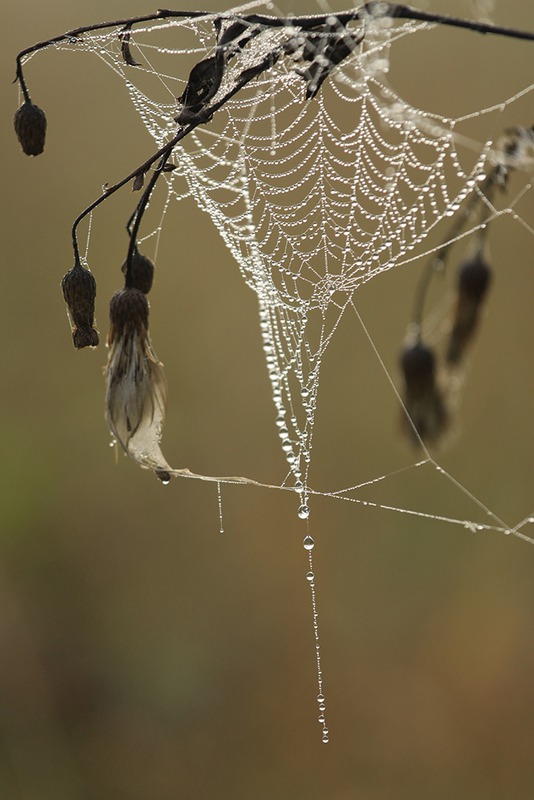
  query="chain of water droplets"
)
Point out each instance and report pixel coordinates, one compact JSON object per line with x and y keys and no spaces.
{"x":309,"y":545}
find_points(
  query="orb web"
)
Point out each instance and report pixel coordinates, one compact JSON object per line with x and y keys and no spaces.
{"x":312,"y":197}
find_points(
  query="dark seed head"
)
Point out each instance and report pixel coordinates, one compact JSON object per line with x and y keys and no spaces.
{"x":79,"y":291}
{"x":474,"y":278}
{"x":128,"y":313}
{"x":140,"y":275}
{"x":30,"y":127}
{"x":85,"y":337}
{"x":418,"y":365}
{"x":422,"y":398}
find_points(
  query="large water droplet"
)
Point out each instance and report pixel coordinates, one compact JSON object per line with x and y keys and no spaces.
{"x":310,"y":576}
{"x":303,"y":512}
{"x":308,"y":543}
{"x":164,"y":476}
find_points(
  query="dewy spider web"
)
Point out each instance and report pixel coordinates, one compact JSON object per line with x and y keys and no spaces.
{"x":313,"y":196}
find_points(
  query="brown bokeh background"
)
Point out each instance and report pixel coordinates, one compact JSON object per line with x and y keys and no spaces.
{"x":143,"y":656}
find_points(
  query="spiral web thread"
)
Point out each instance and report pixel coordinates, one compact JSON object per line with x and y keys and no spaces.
{"x":312,"y":197}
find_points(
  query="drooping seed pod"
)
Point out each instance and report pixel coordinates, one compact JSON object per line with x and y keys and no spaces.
{"x":79,"y":291}
{"x":128,"y":314}
{"x":30,"y":127}
{"x":140,"y":274}
{"x":136,"y":390}
{"x":474,"y":278}
{"x":423,"y":400}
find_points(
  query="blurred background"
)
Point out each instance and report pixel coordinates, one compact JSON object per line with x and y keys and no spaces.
{"x":144,"y":656}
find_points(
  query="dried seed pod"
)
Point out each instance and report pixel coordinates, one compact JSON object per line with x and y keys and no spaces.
{"x":422,"y":398}
{"x":30,"y":127}
{"x":79,"y":291}
{"x":128,"y":314}
{"x":136,"y":388}
{"x":474,"y":278}
{"x":140,"y":274}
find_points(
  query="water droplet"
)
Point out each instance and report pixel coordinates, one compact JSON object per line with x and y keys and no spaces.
{"x":303,"y":512}
{"x":321,"y":718}
{"x":164,"y":476}
{"x":320,"y":698}
{"x":308,"y":543}
{"x":310,"y":576}
{"x":325,"y":739}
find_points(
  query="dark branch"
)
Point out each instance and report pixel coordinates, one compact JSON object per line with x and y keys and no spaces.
{"x":374,"y":9}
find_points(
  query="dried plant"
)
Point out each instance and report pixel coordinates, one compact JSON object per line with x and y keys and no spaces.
{"x":426,"y":417}
{"x":136,"y":389}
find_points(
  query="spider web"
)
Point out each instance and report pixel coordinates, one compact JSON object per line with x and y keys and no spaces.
{"x":312,"y":197}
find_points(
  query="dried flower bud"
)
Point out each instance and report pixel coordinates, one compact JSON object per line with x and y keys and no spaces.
{"x":79,"y":291}
{"x":422,"y":397}
{"x":128,"y":314}
{"x":141,"y":273}
{"x":85,"y":337}
{"x":30,"y":127}
{"x":474,"y":278}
